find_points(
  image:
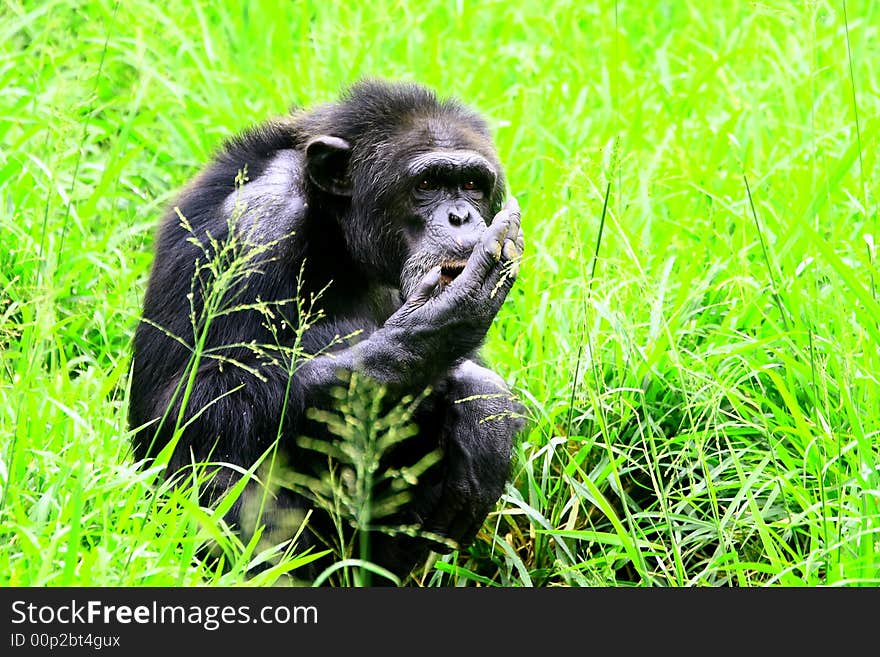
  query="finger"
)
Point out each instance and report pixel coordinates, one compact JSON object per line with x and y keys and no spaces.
{"x":486,"y":254}
{"x":493,"y":239}
{"x":514,"y":239}
{"x":511,"y":251}
{"x":425,"y":287}
{"x":514,"y":246}
{"x":500,"y":280}
{"x":515,"y":214}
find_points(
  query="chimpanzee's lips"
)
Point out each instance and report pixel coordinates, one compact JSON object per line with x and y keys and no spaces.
{"x":449,"y":271}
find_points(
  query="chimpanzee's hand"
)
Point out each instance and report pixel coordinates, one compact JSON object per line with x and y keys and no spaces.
{"x":453,"y":322}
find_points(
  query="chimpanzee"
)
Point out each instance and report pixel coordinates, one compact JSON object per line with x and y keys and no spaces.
{"x":383,"y":216}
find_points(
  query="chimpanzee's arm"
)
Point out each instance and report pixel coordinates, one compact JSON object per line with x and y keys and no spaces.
{"x":431,"y":332}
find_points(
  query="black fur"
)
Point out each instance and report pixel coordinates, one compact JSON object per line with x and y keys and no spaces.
{"x":352,"y":231}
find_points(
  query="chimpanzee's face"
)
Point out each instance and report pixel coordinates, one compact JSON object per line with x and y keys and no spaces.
{"x":419,"y":198}
{"x":447,"y":209}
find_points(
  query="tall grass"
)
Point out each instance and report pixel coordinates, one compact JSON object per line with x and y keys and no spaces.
{"x":701,"y":373}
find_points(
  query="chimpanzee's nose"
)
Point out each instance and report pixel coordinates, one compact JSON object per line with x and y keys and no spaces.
{"x":458,"y":216}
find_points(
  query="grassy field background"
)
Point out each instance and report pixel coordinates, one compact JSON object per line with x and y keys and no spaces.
{"x":700,"y":362}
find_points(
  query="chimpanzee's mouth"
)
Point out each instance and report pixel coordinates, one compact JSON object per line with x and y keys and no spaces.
{"x":449,"y":271}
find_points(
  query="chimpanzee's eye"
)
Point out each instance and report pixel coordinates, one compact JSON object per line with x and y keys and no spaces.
{"x":470,"y":185}
{"x":426,"y":184}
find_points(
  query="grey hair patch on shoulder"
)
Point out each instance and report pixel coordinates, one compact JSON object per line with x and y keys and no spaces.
{"x":273,"y":193}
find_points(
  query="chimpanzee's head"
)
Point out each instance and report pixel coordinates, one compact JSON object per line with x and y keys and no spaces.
{"x":416,"y":180}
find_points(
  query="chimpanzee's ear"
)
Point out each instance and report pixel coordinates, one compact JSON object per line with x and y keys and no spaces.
{"x":327,"y":160}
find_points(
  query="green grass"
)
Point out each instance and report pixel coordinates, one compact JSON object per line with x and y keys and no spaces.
{"x":703,"y":395}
